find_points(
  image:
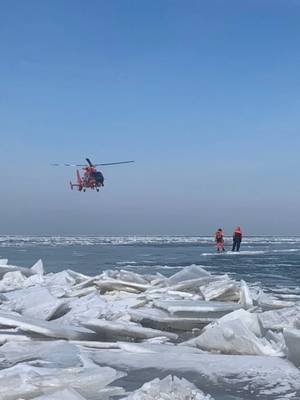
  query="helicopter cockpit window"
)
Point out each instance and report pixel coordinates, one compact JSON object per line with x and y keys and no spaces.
{"x":97,"y":174}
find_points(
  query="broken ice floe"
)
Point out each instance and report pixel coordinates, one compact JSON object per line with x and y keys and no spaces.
{"x":69,"y":336}
{"x":213,"y":372}
{"x":30,"y":382}
{"x":118,"y":330}
{"x":292,"y":340}
{"x":237,"y":333}
{"x":171,"y":388}
{"x":67,"y":394}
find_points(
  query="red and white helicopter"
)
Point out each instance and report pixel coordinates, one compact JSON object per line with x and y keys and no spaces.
{"x":91,"y":179}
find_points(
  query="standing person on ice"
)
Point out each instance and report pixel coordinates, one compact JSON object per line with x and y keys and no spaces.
{"x":237,"y":239}
{"x":219,"y":239}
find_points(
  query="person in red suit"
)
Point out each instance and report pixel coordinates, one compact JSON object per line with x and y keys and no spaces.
{"x":237,"y":239}
{"x":219,"y":239}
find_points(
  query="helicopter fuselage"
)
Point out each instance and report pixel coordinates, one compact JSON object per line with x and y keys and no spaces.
{"x":91,"y":179}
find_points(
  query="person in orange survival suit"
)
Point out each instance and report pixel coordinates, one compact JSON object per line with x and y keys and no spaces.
{"x":237,"y":239}
{"x":219,"y":239}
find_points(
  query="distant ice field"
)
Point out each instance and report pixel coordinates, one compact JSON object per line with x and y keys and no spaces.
{"x":274,"y":261}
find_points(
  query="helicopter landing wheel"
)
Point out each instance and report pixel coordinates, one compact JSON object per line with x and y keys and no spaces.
{"x":97,"y":190}
{"x":84,"y":190}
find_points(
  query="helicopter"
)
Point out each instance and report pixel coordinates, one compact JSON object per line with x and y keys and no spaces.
{"x":91,"y":179}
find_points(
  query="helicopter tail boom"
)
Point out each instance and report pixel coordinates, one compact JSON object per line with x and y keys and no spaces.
{"x":79,"y":180}
{"x":79,"y":183}
{"x":72,"y":185}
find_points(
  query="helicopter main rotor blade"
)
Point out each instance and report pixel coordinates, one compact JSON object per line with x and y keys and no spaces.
{"x":89,"y":162}
{"x":113,"y":163}
{"x":68,"y":165}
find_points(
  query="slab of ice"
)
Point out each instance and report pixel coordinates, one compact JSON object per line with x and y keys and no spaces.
{"x":4,"y":268}
{"x":46,"y":328}
{"x":63,"y":279}
{"x":38,"y":268}
{"x":78,"y":276}
{"x":188,"y":273}
{"x":88,"y":381}
{"x":224,"y":290}
{"x":234,"y":337}
{"x":223,"y":373}
{"x":267,"y":302}
{"x":86,"y":283}
{"x":34,"y":280}
{"x":130,"y":276}
{"x":245,"y":296}
{"x":106,"y":285}
{"x":250,"y":320}
{"x":196,"y":309}
{"x":279,"y":319}
{"x":127,"y":346}
{"x":36,"y":302}
{"x":73,"y":283}
{"x":67,"y":394}
{"x":118,"y":330}
{"x":179,"y":294}
{"x":168,"y":293}
{"x":96,"y":344}
{"x":58,"y":353}
{"x":160,"y":319}
{"x":171,"y":388}
{"x":12,"y":336}
{"x":191,"y":285}
{"x":80,"y":292}
{"x":12,"y":281}
{"x":119,"y":304}
{"x":292,"y":340}
{"x":26,"y":381}
{"x":83,"y":308}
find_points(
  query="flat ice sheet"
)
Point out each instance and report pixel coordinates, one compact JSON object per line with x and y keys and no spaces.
{"x":218,"y":372}
{"x":52,"y":353}
{"x":45,"y":328}
{"x":67,"y":394}
{"x":29,"y":382}
{"x":198,"y":308}
{"x":108,"y":330}
{"x":36,"y":302}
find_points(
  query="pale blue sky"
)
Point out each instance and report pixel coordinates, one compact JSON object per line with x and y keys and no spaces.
{"x":203,"y":94}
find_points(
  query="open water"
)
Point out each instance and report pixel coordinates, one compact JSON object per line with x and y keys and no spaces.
{"x":273,"y":261}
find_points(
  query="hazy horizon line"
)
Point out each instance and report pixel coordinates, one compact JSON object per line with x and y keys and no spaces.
{"x":139,"y":235}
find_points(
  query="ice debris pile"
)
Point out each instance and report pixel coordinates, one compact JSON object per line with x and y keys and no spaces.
{"x":122,"y":335}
